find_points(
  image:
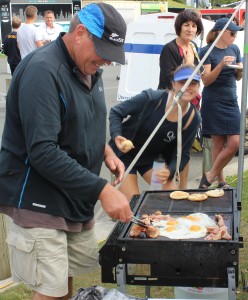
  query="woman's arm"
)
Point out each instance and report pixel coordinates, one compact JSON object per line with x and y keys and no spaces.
{"x":209,"y":76}
{"x":125,"y":109}
{"x":169,"y":60}
{"x":239,"y":74}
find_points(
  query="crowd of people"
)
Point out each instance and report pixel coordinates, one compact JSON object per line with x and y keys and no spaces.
{"x":53,"y":143}
{"x":27,"y":37}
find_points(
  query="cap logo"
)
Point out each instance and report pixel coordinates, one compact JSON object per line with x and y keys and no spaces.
{"x":115,"y":38}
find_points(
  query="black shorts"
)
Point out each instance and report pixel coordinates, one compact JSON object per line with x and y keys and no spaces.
{"x":142,"y":169}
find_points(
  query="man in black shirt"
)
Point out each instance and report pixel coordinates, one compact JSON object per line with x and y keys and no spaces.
{"x":10,"y":47}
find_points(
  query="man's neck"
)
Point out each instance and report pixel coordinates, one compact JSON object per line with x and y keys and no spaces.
{"x":30,"y":21}
{"x":49,"y":25}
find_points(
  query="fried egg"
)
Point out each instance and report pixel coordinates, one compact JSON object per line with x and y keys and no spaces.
{"x":201,"y":219}
{"x":174,"y":233}
{"x":186,"y":227}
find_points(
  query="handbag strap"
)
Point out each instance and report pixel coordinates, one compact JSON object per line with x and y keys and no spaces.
{"x":192,"y":45}
{"x":194,"y":50}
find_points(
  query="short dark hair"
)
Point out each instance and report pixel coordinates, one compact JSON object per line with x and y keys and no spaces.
{"x":185,"y":16}
{"x":46,"y":12}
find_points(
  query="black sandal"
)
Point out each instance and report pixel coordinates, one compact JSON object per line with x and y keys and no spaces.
{"x":223,"y":185}
{"x":204,"y":184}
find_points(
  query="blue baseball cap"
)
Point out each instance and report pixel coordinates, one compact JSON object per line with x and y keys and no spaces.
{"x":220,"y":24}
{"x":108,"y":29}
{"x":185,"y":73}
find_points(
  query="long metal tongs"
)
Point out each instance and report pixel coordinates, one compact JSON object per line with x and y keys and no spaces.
{"x":137,"y":221}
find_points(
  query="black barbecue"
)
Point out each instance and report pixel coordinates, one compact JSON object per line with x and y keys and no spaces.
{"x":166,"y":262}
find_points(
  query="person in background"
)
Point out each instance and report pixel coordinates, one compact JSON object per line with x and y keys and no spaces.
{"x":220,"y":110}
{"x":29,"y":37}
{"x":52,"y":150}
{"x":10,"y":48}
{"x":235,"y":19}
{"x":50,"y":30}
{"x":181,"y":50}
{"x":144,"y":111}
{"x":207,"y":18}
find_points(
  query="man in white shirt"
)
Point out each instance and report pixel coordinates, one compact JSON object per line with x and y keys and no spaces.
{"x":29,"y":37}
{"x":50,"y":30}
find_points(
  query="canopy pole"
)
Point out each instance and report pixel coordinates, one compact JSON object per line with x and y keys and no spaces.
{"x":243,"y":114}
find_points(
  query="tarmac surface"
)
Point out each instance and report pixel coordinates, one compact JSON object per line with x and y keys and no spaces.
{"x":104,"y":224}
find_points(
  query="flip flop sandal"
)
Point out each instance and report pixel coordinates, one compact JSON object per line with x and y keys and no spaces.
{"x":204,"y":184}
{"x":223,"y":185}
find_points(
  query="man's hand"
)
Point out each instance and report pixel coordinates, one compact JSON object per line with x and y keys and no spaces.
{"x":114,"y":164}
{"x":115,"y":204}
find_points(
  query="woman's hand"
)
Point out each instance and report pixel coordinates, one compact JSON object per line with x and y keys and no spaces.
{"x":163,"y":175}
{"x":123,"y":144}
{"x":227,"y":60}
{"x":189,"y":57}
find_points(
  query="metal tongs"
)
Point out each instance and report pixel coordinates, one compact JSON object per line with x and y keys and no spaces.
{"x":137,"y":221}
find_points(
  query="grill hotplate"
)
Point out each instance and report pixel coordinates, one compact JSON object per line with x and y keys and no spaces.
{"x":162,"y":261}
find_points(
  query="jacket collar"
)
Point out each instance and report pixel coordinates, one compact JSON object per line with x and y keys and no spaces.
{"x":65,"y":51}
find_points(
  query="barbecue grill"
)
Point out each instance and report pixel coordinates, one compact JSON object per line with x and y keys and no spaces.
{"x":166,"y":262}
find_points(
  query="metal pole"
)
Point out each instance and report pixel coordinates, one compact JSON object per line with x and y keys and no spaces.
{"x":243,"y":112}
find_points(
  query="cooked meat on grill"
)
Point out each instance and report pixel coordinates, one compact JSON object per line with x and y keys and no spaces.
{"x":214,"y":229}
{"x":220,"y":220}
{"x":152,"y":232}
{"x":218,"y":232}
{"x":145,"y":219}
{"x":215,"y":232}
{"x":136,"y":230}
{"x":144,"y":216}
{"x":225,"y":235}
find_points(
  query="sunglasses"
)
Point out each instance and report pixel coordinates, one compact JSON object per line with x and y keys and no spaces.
{"x":233,"y":33}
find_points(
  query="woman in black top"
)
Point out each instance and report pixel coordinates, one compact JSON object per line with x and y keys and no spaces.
{"x":181,"y":50}
{"x":135,"y":120}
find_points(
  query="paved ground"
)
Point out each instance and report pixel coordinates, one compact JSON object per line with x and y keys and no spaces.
{"x":104,"y":224}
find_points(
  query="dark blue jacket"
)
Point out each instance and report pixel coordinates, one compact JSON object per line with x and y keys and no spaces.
{"x":11,"y":49}
{"x":54,"y":137}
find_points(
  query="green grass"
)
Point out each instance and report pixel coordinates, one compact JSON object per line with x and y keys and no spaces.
{"x":20,"y":292}
{"x":175,"y":4}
